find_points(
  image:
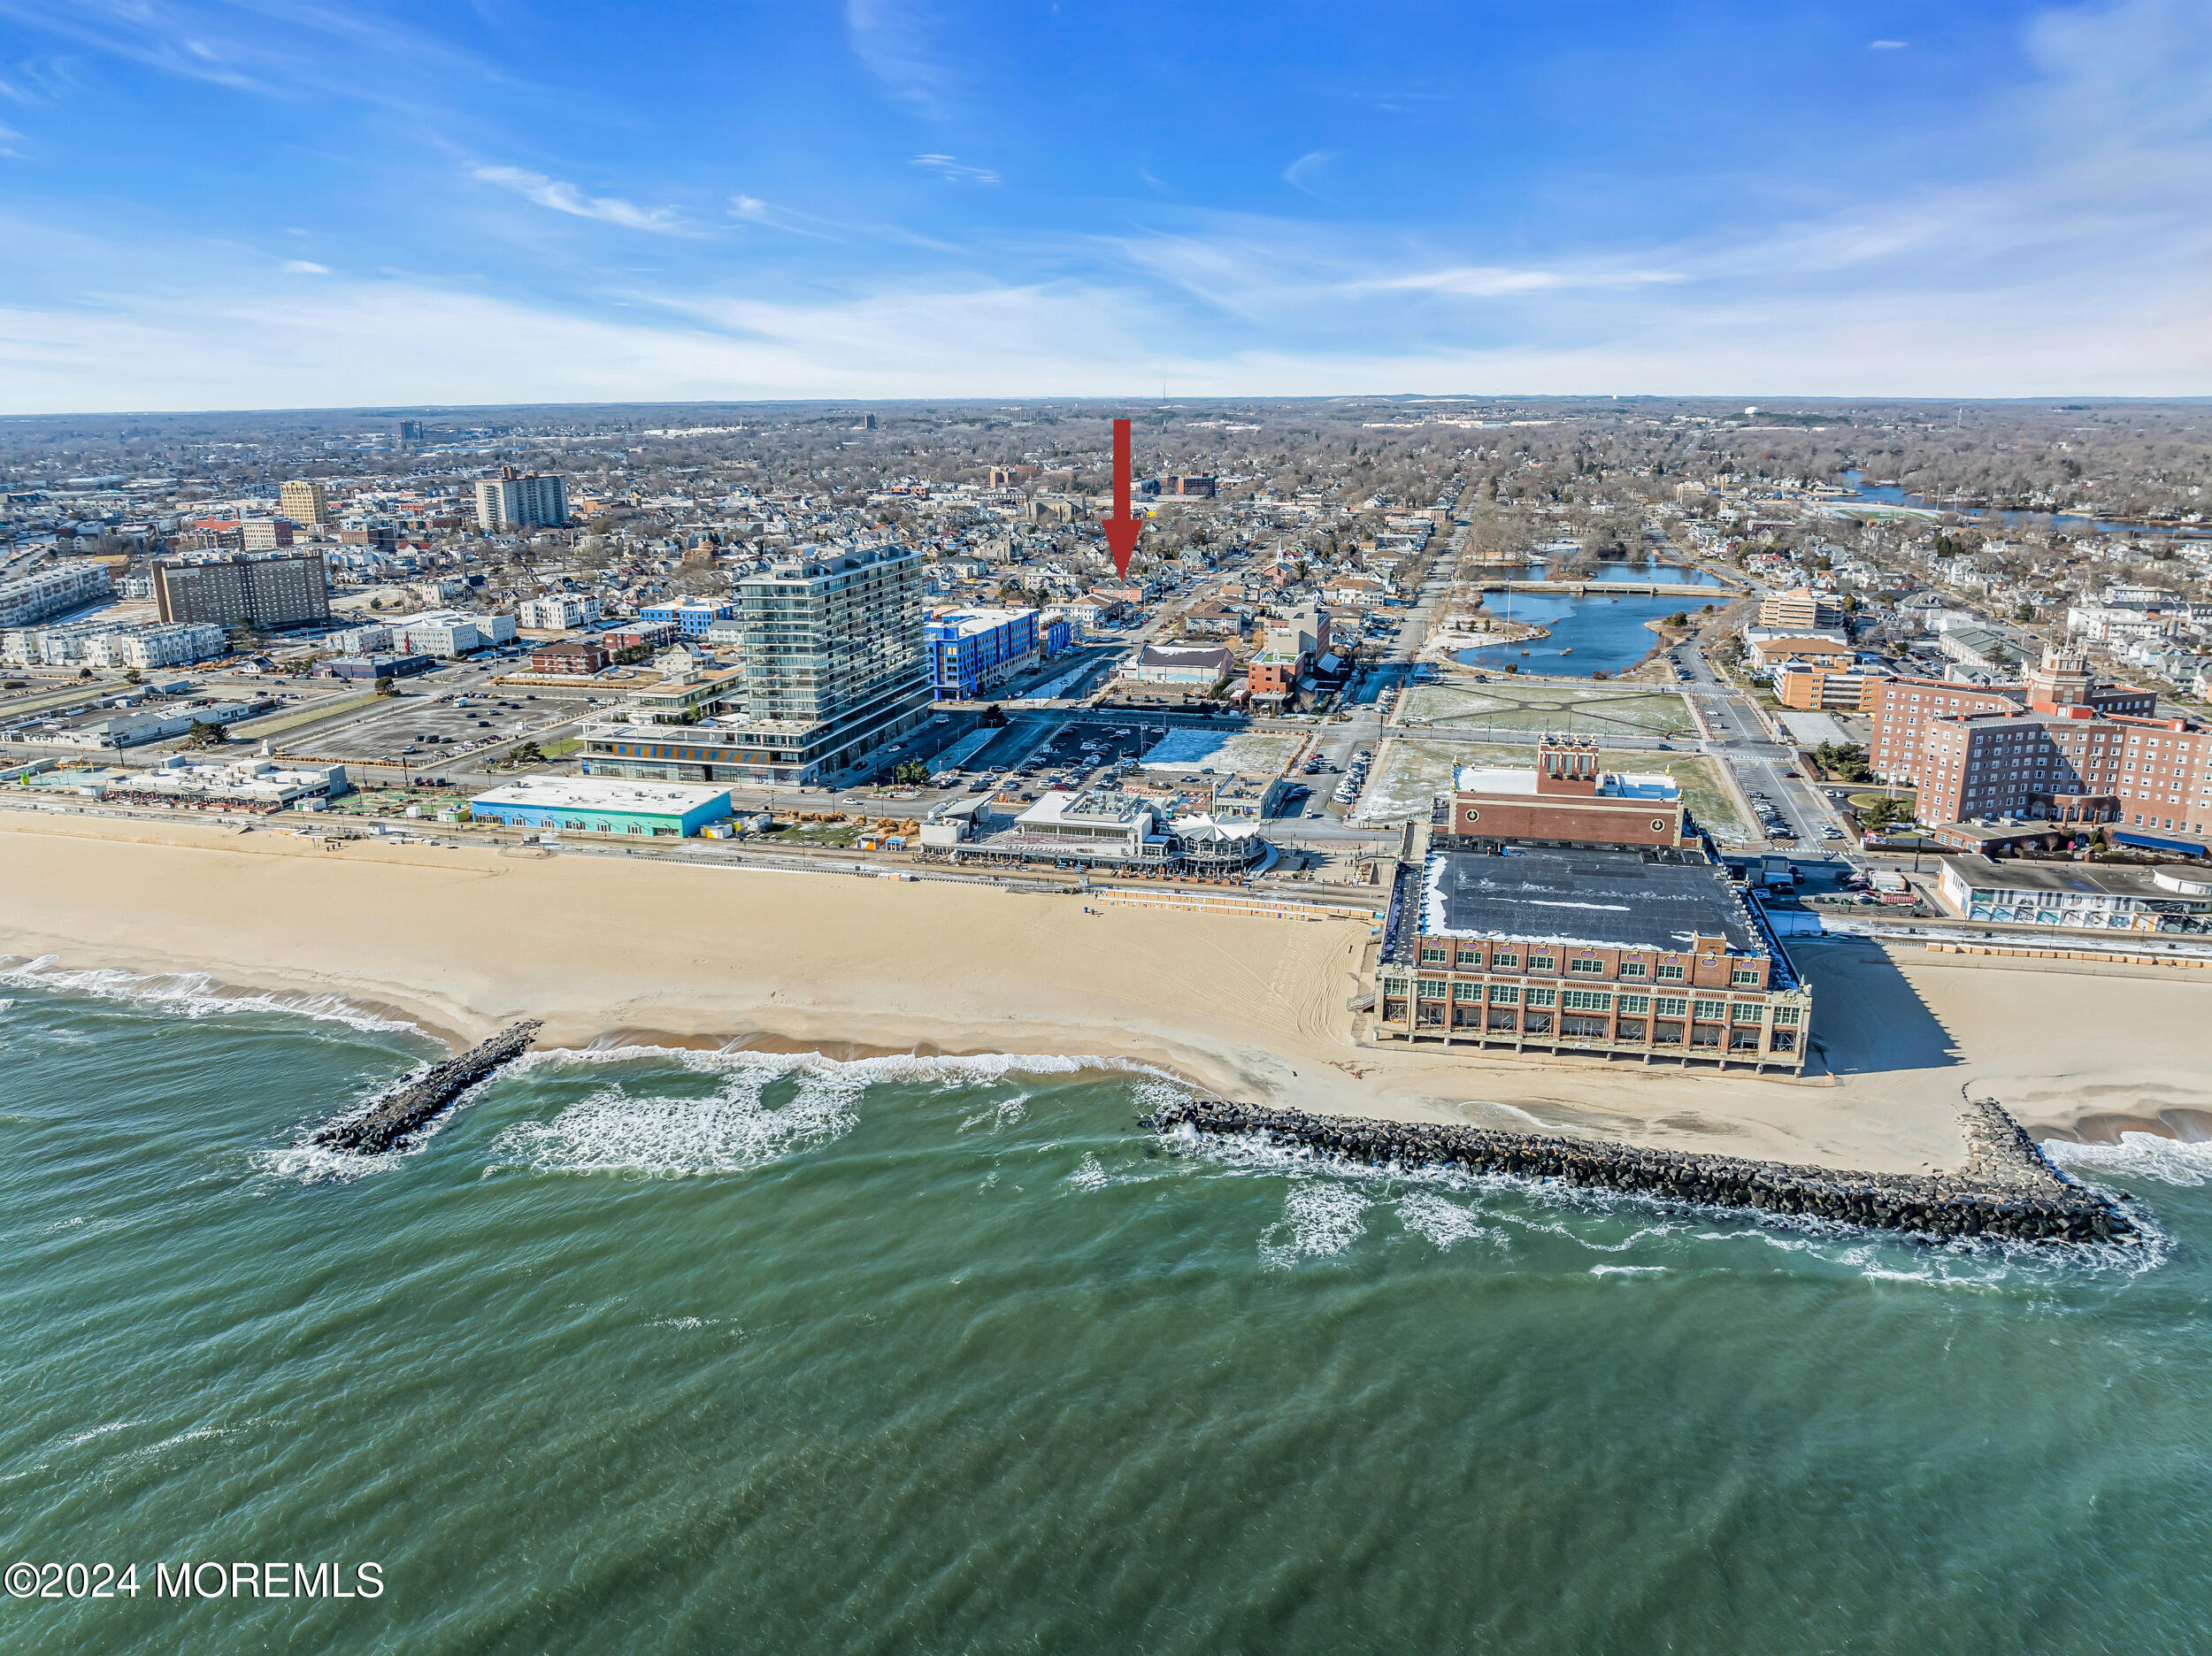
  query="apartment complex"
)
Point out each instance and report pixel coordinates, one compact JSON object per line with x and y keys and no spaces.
{"x":520,"y":499}
{"x":1826,"y":686}
{"x":690,"y":617}
{"x":969,"y":650}
{"x":2077,"y":753}
{"x":271,"y":591}
{"x":304,"y":501}
{"x":1565,"y":802}
{"x":52,"y":589}
{"x":835,"y":673}
{"x":556,"y":612}
{"x":1782,"y":612}
{"x":1634,"y":955}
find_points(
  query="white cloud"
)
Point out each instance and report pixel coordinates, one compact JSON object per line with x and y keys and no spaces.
{"x":1301,"y":173}
{"x":305,"y":267}
{"x":1886,"y":45}
{"x":891,"y":39}
{"x":1494,"y":282}
{"x":330,"y":344}
{"x":956,"y":172}
{"x":565,"y":197}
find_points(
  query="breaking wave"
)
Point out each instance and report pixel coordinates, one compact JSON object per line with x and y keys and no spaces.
{"x":621,"y":1128}
{"x":2137,"y":1155}
{"x":186,"y":994}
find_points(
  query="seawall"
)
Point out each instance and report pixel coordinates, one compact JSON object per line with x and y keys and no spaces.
{"x":418,"y":1103}
{"x":2007,"y":1188}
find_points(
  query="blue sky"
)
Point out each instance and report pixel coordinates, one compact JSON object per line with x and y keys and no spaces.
{"x":274,"y":204}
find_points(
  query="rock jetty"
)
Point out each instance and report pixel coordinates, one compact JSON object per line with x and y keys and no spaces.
{"x":2007,"y":1188}
{"x":418,"y":1103}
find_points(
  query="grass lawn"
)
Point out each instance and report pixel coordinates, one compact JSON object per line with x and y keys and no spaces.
{"x":1410,"y":772}
{"x":1587,"y":709}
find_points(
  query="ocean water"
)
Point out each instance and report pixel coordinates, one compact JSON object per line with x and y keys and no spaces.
{"x":652,"y":1351}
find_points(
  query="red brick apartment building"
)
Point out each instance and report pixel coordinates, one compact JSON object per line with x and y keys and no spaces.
{"x":2078,"y":752}
{"x":1565,"y":801}
{"x":572,"y":657}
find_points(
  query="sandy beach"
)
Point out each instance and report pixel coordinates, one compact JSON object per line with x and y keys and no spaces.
{"x":606,"y":948}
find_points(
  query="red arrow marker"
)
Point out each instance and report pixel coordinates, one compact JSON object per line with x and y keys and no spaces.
{"x":1122,"y":529}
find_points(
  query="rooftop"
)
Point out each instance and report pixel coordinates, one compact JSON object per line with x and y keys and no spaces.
{"x":1610,"y":898}
{"x":2088,"y":880}
{"x":1520,"y":781}
{"x":603,"y":794}
{"x":1104,"y":808}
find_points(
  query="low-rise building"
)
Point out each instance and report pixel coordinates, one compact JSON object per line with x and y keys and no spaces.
{"x":556,"y":612}
{"x":2094,"y":896}
{"x":179,"y":783}
{"x":690,"y":617}
{"x":574,"y":658}
{"x":596,"y":805}
{"x":1200,"y":666}
{"x":450,"y":632}
{"x":1112,"y":829}
{"x":377,"y":664}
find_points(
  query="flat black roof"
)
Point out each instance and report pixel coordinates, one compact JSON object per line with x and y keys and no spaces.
{"x":1616,"y":898}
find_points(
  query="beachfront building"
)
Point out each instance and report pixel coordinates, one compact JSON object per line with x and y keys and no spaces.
{"x":2078,"y":753}
{"x":834,"y":678}
{"x":592,"y":805}
{"x":1648,"y":955}
{"x":1564,"y":801}
{"x":2086,"y":895}
{"x":179,"y":783}
{"x":972,"y":649}
{"x":1116,"y":832}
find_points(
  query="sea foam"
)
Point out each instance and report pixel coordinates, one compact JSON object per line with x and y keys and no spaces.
{"x":186,"y":994}
{"x":621,"y":1129}
{"x":2139,"y":1155}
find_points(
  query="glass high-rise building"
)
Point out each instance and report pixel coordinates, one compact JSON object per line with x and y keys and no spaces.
{"x":835,"y":673}
{"x":833,"y":654}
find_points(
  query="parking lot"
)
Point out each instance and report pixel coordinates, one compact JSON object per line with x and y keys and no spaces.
{"x":424,"y":725}
{"x":1035,"y":748}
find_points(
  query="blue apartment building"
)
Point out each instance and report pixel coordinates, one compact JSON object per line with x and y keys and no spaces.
{"x":691,"y":617}
{"x":969,"y":650}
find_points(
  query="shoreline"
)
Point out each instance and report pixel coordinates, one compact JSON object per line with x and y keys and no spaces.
{"x":459,"y":942}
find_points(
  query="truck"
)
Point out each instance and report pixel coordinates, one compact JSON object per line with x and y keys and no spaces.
{"x":1775,"y":873}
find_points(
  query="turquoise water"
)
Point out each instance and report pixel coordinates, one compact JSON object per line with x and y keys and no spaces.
{"x":655,"y":1352}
